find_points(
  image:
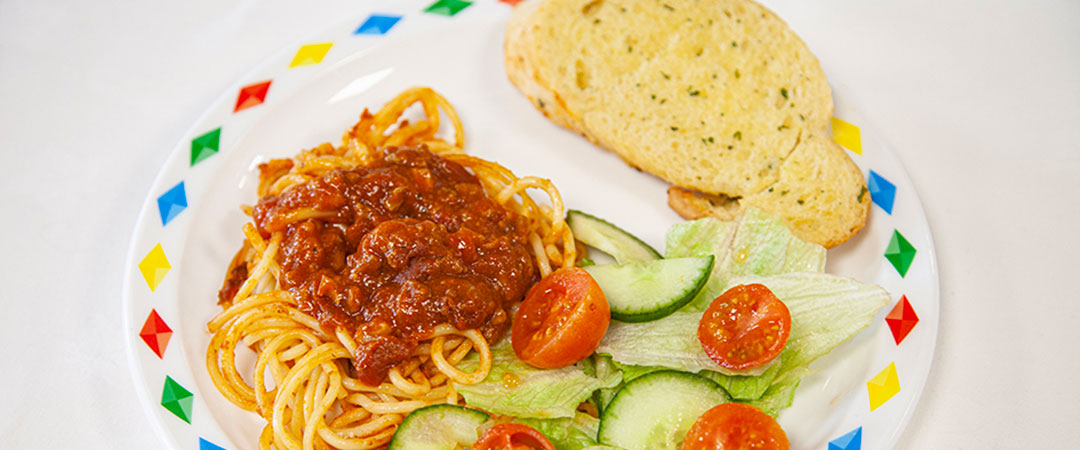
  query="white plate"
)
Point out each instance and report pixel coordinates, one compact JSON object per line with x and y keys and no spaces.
{"x":192,"y":212}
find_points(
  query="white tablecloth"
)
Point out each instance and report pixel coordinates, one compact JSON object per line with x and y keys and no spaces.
{"x":981,"y":100}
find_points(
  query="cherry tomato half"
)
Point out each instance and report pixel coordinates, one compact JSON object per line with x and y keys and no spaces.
{"x":512,"y":436}
{"x":735,"y":426}
{"x":745,"y":327}
{"x":561,"y":321}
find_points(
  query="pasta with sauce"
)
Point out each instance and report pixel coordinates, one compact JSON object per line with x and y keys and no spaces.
{"x":369,"y":270}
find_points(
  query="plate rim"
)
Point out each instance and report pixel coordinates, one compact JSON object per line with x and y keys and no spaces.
{"x":407,"y":10}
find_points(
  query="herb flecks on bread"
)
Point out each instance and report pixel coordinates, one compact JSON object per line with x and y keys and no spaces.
{"x":717,"y":97}
{"x":821,"y":194}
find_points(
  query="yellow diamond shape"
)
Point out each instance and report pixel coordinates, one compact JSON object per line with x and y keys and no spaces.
{"x":311,"y":54}
{"x":847,"y":135}
{"x":154,"y":266}
{"x":883,"y":386}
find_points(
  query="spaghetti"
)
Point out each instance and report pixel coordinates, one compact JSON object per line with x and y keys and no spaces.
{"x":307,"y":381}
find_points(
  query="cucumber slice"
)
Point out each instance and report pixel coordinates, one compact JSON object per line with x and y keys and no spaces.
{"x":608,"y":238}
{"x":656,"y":410}
{"x":648,"y":290}
{"x":438,"y":427}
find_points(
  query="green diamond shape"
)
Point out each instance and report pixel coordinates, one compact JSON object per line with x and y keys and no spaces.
{"x":177,"y":400}
{"x":205,"y":146}
{"x":900,"y":253}
{"x":447,"y":7}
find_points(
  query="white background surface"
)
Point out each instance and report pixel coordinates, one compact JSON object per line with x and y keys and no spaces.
{"x":980,"y":100}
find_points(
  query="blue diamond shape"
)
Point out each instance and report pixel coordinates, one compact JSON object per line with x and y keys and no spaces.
{"x":850,"y":441}
{"x":882,"y":191}
{"x":377,"y":24}
{"x":207,"y":445}
{"x":171,"y":203}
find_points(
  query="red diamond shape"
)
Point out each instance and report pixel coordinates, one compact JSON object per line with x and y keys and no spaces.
{"x":252,"y":95}
{"x":901,"y":319}
{"x":155,"y":333}
{"x":511,"y":2}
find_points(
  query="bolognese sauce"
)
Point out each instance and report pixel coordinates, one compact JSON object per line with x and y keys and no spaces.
{"x":390,"y":250}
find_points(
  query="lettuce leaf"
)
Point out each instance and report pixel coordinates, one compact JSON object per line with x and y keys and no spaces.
{"x":756,"y":244}
{"x":604,"y":364}
{"x":826,"y":310}
{"x":567,"y":433}
{"x":742,"y":387}
{"x":777,"y":397}
{"x":669,"y":342}
{"x":630,"y":372}
{"x":536,"y":393}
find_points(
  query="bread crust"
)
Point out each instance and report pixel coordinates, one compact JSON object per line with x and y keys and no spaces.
{"x":522,"y":72}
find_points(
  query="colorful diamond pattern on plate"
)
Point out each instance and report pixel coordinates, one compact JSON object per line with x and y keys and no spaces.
{"x":901,"y":319}
{"x":847,"y":135}
{"x":171,"y":203}
{"x":511,"y":2}
{"x":252,"y":95}
{"x":447,"y":7}
{"x":900,"y":253}
{"x":850,"y":441}
{"x":883,"y":386}
{"x":156,"y":333}
{"x":177,"y":400}
{"x":205,"y":146}
{"x":377,"y":24}
{"x":310,"y":54}
{"x":154,"y":266}
{"x":207,"y":445}
{"x":882,"y":191}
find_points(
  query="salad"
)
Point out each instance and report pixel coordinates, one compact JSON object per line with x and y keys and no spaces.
{"x":698,"y":348}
